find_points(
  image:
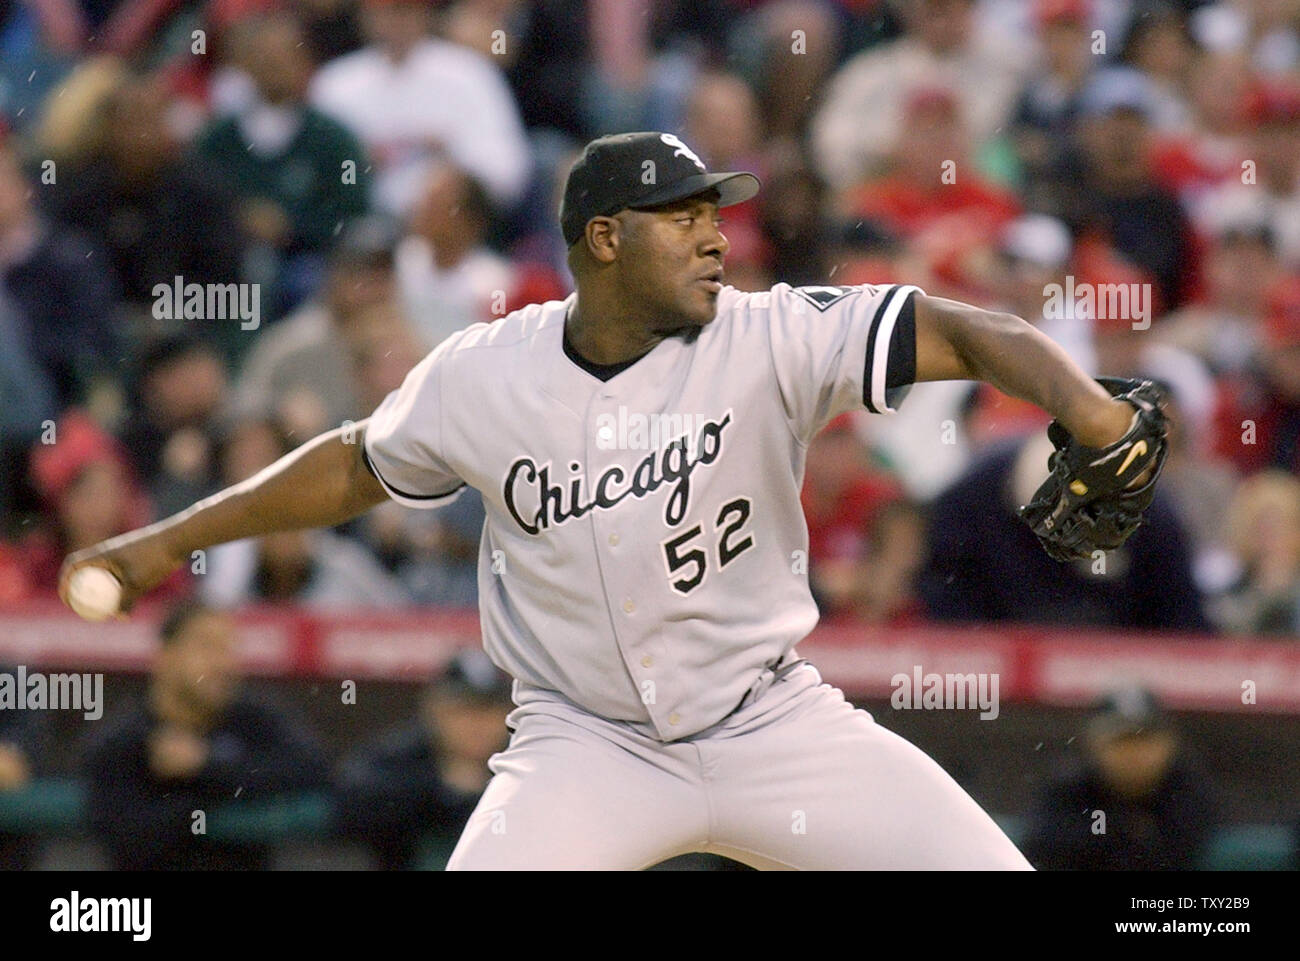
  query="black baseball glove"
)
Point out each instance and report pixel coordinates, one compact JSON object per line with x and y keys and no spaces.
{"x":1086,"y":503}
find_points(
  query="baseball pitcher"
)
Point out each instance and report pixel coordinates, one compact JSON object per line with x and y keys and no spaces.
{"x":639,"y":447}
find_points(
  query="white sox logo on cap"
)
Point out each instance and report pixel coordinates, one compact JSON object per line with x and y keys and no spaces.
{"x":641,"y":170}
{"x":682,"y":150}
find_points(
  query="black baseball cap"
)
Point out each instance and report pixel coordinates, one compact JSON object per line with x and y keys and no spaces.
{"x":644,"y":169}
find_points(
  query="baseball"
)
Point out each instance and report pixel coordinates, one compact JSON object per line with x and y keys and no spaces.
{"x":94,"y":593}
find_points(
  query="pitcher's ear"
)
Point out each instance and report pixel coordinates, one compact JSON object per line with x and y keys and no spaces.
{"x":603,"y":236}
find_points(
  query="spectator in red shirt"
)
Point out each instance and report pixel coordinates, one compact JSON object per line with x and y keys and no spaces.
{"x":1270,"y":184}
{"x":1259,"y":416}
{"x":90,"y":494}
{"x":1194,"y":162}
{"x":933,"y":198}
{"x":887,"y":588}
{"x":842,"y":495}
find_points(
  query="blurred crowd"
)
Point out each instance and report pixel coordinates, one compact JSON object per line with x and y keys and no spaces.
{"x":381,"y":173}
{"x":197,"y":741}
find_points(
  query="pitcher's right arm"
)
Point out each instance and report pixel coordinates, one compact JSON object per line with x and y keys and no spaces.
{"x":323,"y":483}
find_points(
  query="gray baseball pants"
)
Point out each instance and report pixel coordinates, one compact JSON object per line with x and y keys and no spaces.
{"x":797,"y":778}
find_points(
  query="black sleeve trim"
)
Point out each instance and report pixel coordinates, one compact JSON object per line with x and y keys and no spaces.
{"x":901,"y":366}
{"x":365,"y":457}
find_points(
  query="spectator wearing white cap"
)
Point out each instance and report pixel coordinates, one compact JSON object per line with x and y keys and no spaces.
{"x":1036,"y":253}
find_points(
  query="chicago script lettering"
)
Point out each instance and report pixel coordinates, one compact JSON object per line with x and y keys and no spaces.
{"x":538,"y":502}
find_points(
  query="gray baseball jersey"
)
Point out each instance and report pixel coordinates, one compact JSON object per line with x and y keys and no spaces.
{"x":643,"y":551}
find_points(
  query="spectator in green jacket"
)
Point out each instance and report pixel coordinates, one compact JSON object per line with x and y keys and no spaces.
{"x":299,"y":175}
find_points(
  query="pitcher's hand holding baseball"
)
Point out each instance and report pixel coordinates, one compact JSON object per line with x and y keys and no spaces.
{"x":139,"y":563}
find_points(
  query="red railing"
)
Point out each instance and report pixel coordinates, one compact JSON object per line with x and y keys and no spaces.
{"x":1048,"y":665}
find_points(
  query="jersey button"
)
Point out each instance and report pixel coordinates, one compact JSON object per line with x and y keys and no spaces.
{"x":674,"y":718}
{"x":613,"y":540}
{"x":629,"y":607}
{"x":647,"y":661}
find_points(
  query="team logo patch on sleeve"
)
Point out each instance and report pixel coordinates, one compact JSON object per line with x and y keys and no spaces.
{"x":823,"y":297}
